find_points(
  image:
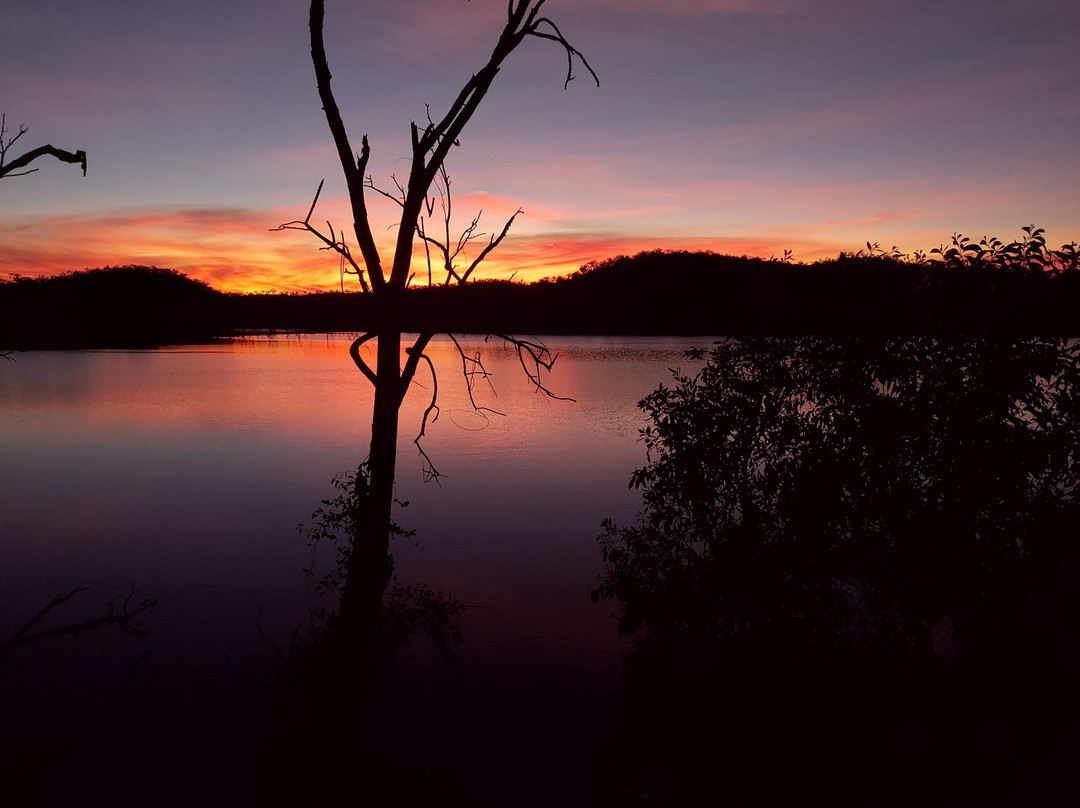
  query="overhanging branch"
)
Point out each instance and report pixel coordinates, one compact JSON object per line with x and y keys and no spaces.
{"x":9,"y":169}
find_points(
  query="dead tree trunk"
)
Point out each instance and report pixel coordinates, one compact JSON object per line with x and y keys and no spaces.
{"x":369,"y":564}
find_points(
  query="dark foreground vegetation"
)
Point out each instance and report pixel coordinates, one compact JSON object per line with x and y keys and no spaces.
{"x":855,"y":566}
{"x":1021,"y":288}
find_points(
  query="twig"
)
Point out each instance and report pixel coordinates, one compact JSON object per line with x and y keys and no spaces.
{"x":535,"y":351}
{"x":24,"y":636}
{"x":334,"y":241}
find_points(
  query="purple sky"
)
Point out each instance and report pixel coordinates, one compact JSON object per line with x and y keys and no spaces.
{"x":744,"y":126}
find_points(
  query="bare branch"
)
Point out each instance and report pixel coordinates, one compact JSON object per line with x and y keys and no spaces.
{"x":431,"y":148}
{"x":427,"y":248}
{"x":9,"y":169}
{"x":448,"y":265}
{"x":471,"y":368}
{"x":331,"y":242}
{"x":58,"y":600}
{"x":398,"y":198}
{"x":414,"y":353}
{"x":535,"y":358}
{"x":571,"y":51}
{"x":314,"y":202}
{"x":430,"y":472}
{"x":495,"y":241}
{"x":354,"y":352}
{"x":450,"y":254}
{"x":468,"y":234}
{"x":122,"y":619}
{"x":354,"y":171}
{"x":5,"y":141}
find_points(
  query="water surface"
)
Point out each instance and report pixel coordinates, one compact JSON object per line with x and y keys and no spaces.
{"x":185,"y":471}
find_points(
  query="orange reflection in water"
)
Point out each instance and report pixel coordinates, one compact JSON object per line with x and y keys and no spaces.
{"x":309,"y":389}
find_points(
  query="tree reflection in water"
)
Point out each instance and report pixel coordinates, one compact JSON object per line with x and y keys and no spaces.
{"x":853,"y":574}
{"x":324,"y":743}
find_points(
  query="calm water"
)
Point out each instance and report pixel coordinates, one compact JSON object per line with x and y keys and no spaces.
{"x":185,"y":472}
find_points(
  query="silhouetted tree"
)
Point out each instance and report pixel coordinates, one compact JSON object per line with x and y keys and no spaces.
{"x":9,"y":169}
{"x":827,"y":522}
{"x":417,"y":197}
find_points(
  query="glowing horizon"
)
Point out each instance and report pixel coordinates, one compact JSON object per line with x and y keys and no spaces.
{"x":233,"y":250}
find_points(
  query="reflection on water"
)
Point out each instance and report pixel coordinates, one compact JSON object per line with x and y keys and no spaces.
{"x":335,"y":671}
{"x":852,"y":567}
{"x":851,"y":575}
{"x":186,"y":472}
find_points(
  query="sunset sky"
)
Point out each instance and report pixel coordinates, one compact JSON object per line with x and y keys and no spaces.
{"x":739,"y":126}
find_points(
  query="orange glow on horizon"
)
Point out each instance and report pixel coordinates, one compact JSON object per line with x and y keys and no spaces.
{"x":235,"y":250}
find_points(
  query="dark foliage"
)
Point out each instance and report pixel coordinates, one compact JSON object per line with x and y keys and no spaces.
{"x":703,"y":293}
{"x":132,"y":306}
{"x":854,"y":565}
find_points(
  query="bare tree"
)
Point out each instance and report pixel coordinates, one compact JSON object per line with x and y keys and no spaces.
{"x":426,"y":191}
{"x":12,"y":169}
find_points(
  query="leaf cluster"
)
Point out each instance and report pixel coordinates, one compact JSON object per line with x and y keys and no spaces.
{"x":1029,"y":253}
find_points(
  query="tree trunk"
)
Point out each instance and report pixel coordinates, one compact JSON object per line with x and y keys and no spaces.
{"x":370,"y":563}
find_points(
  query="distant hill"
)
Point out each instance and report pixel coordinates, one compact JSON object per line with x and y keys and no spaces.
{"x":660,"y":292}
{"x":130,"y":306}
{"x":701,"y":293}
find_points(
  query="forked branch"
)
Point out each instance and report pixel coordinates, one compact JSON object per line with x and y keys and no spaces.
{"x":11,"y":169}
{"x":335,"y":241}
{"x":535,"y":359}
{"x":451,"y":249}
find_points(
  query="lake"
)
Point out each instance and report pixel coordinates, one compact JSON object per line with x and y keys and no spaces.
{"x":849,"y":573}
{"x":185,"y":472}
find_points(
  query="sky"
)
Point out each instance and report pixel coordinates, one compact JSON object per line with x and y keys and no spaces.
{"x":747,"y":127}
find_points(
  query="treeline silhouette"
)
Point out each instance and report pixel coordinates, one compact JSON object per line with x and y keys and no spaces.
{"x":658,"y":292}
{"x":114,"y":307}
